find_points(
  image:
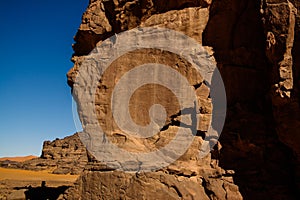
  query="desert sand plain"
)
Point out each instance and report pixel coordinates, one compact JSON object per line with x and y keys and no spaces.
{"x":25,"y":184}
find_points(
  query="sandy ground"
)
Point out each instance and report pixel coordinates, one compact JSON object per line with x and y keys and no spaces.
{"x":19,"y":174}
{"x":14,"y":180}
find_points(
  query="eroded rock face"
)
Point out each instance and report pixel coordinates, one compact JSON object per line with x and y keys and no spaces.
{"x":283,"y":52}
{"x":104,"y":18}
{"x":154,"y":185}
{"x":63,"y":156}
{"x":256,"y":47}
{"x":190,"y":177}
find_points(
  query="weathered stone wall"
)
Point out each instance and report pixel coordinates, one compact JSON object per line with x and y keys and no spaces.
{"x":256,"y":47}
{"x":282,"y":30}
{"x":252,"y":41}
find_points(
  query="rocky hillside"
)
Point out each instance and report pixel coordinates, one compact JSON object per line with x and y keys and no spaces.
{"x":255,"y":44}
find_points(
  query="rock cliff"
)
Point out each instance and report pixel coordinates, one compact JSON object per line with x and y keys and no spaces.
{"x":255,"y":44}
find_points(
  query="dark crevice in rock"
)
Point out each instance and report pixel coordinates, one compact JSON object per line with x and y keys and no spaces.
{"x":177,"y":191}
{"x":110,"y":13}
{"x":197,"y":85}
{"x":201,"y":134}
{"x":208,"y":192}
{"x":86,"y":41}
{"x":226,"y":195}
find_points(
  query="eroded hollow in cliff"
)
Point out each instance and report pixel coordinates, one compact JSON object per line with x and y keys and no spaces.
{"x":148,"y":95}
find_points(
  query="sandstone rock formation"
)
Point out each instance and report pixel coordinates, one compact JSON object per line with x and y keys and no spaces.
{"x":256,"y":47}
{"x":62,"y":156}
{"x":284,"y":54}
{"x":253,"y":49}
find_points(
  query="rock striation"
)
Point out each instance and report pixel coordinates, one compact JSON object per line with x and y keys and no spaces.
{"x":255,"y":44}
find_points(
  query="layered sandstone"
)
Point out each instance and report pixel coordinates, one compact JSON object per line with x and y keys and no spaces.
{"x":61,"y":156}
{"x":256,"y":48}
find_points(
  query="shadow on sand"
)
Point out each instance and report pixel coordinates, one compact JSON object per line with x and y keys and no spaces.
{"x":43,"y":192}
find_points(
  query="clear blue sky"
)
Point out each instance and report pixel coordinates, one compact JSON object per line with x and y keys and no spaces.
{"x":35,"y":50}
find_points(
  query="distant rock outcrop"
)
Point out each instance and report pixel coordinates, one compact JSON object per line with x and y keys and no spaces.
{"x":61,"y":156}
